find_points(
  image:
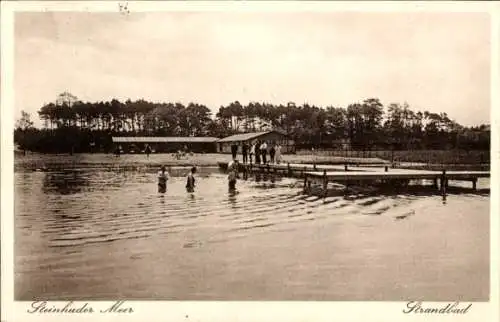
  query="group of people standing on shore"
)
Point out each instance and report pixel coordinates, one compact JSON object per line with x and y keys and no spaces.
{"x":258,"y":150}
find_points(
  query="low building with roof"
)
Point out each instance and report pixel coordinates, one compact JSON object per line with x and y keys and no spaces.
{"x":165,"y":144}
{"x":276,"y":137}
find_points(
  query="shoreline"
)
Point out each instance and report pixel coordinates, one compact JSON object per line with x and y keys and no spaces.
{"x":48,"y":162}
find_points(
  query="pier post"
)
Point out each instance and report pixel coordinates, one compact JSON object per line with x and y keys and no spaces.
{"x":314,"y":166}
{"x":474,"y":184}
{"x":443,"y":184}
{"x":345,"y":167}
{"x":386,"y":168}
{"x":325,"y":184}
{"x":305,"y":183}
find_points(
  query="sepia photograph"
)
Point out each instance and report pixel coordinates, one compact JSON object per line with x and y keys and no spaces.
{"x":251,"y":155}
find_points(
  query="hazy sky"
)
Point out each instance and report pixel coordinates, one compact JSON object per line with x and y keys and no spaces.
{"x":434,"y":61}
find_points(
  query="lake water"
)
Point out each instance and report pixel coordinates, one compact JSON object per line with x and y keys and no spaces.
{"x":107,"y":234}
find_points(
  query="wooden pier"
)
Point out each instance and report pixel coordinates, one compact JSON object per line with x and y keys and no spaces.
{"x":348,"y":175}
{"x":397,"y":174}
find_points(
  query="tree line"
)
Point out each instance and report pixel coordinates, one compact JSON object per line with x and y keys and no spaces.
{"x":72,"y":125}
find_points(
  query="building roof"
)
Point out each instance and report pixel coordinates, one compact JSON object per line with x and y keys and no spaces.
{"x":245,"y":136}
{"x":163,"y":139}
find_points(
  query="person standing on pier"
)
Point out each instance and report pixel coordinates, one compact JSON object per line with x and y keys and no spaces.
{"x":244,"y":152}
{"x":278,"y":154}
{"x":234,"y":150}
{"x":263,"y":151}
{"x":162,"y":179}
{"x":147,"y":150}
{"x":272,"y":152}
{"x":190,"y":184}
{"x":257,"y":152}
{"x":252,"y":151}
{"x":118,"y":150}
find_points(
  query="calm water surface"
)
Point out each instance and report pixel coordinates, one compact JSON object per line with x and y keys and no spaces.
{"x":108,"y":234}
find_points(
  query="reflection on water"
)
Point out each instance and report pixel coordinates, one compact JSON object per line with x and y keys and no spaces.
{"x":64,"y":183}
{"x":109,"y":234}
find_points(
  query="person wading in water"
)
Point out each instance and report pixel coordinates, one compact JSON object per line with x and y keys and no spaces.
{"x":233,"y":175}
{"x":190,"y":184}
{"x":162,"y":180}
